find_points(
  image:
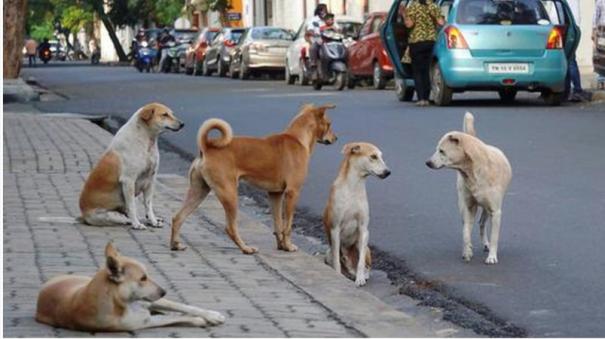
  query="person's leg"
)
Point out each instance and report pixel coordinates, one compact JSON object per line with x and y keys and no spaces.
{"x":574,"y":76}
{"x":426,"y":56}
{"x":417,"y":70}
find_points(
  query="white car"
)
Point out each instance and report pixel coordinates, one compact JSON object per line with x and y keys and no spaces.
{"x":297,"y":53}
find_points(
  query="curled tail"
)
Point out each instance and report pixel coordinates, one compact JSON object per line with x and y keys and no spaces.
{"x":222,"y":141}
{"x":469,"y":124}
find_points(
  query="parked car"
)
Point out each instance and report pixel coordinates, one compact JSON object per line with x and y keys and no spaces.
{"x":367,"y":58}
{"x":261,"y":49}
{"x":195,"y":54}
{"x":599,"y":52}
{"x":218,"y":55}
{"x":296,"y":69}
{"x":493,"y":45}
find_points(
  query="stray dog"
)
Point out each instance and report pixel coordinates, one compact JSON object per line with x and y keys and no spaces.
{"x":119,"y":297}
{"x":483,"y":177}
{"x":127,"y":169}
{"x":347,"y":213}
{"x":277,"y":164}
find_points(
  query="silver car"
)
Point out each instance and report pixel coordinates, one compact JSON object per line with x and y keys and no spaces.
{"x":297,"y":55}
{"x":261,"y":49}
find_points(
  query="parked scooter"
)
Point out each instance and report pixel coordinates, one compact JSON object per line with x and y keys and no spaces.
{"x":332,"y":63}
{"x":144,"y":57}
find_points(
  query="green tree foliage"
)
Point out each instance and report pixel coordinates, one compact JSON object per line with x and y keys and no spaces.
{"x":132,"y":12}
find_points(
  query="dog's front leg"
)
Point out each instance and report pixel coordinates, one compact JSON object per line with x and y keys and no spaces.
{"x":148,"y":202}
{"x":213,"y":317}
{"x":128,"y":190}
{"x":362,"y":247}
{"x":492,"y":257}
{"x":468,"y":219}
{"x":166,"y":320}
{"x":335,"y":247}
{"x":291,"y":196}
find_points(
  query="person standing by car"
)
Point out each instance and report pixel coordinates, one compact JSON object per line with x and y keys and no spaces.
{"x":573,"y":72}
{"x":598,"y":21}
{"x":313,"y":35}
{"x":31,"y":47}
{"x":422,"y":18}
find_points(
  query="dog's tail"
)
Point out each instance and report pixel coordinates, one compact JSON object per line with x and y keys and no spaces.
{"x":469,"y":124}
{"x":222,"y":141}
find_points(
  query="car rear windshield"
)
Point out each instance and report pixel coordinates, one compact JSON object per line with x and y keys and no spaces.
{"x":235,"y":35}
{"x":501,"y":12}
{"x":210,"y":35}
{"x":270,"y":33}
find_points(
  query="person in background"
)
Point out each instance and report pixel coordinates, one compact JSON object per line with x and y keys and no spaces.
{"x":598,"y":21}
{"x":422,"y":18}
{"x":31,"y":47}
{"x":313,"y":35}
{"x":573,"y":72}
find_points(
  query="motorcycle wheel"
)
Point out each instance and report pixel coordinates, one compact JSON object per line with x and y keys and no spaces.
{"x":148,"y":68}
{"x":317,"y":84}
{"x":341,"y":81}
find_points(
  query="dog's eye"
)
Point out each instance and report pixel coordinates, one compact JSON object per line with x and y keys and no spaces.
{"x":441,"y":151}
{"x":144,"y":278}
{"x":374,"y":157}
{"x":165,"y":115}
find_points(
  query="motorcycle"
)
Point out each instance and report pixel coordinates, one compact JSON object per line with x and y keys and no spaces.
{"x":332,"y":62}
{"x":144,"y":57}
{"x":171,"y":60}
{"x":45,"y":55}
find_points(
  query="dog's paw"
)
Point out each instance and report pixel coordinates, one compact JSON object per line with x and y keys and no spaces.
{"x":485,"y":248}
{"x":139,"y":227}
{"x":491,"y":260}
{"x":289,"y":247}
{"x":199,"y":322}
{"x":360,"y":281}
{"x":177,"y":246}
{"x":214,"y":318}
{"x":249,"y":250}
{"x":467,"y":254}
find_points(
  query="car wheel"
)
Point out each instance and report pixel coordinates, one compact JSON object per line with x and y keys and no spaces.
{"x":232,"y":73}
{"x":221,"y":68}
{"x":205,"y":70}
{"x":403,"y":91}
{"x":351,"y":81}
{"x":442,"y":94}
{"x":378,"y":78}
{"x":553,"y":98}
{"x":507,"y":95}
{"x":290,"y":79}
{"x":244,"y":73}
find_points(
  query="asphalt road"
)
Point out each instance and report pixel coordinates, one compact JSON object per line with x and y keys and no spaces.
{"x":551,"y":269}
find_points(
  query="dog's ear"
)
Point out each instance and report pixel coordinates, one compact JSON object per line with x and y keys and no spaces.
{"x":454,"y":139}
{"x":351,"y":149}
{"x":321,"y":110}
{"x":113,"y":263}
{"x":147,"y":113}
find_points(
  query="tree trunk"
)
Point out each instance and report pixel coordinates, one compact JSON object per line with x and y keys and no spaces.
{"x":114,"y":38}
{"x":14,"y":30}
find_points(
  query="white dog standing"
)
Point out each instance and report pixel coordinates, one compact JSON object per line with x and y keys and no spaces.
{"x":127,"y":169}
{"x":347,"y":213}
{"x":484,"y":174}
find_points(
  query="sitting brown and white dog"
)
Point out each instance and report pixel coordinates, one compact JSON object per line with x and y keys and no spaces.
{"x":347,"y":213}
{"x":277,"y":164}
{"x":127,"y":169}
{"x":120,"y":297}
{"x":484,"y":174}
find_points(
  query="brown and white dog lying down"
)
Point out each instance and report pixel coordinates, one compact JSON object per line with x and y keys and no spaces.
{"x":119,"y":297}
{"x":276,"y":164}
{"x":126,"y":169}
{"x":484,"y":174}
{"x":347,"y":213}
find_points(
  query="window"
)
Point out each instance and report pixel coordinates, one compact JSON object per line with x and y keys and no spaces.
{"x":270,"y":33}
{"x":502,"y":12}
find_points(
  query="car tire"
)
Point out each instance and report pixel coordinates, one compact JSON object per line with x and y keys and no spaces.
{"x":553,"y":98}
{"x":244,"y":73}
{"x":288,"y":77}
{"x":441,"y":93}
{"x":232,"y":73}
{"x":222,"y":72}
{"x":378,"y":78}
{"x":507,"y":95}
{"x":403,"y":91}
{"x":205,"y":70}
{"x":351,"y":81}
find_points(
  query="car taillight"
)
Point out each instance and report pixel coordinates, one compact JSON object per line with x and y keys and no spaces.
{"x":555,"y":39}
{"x":229,"y":43}
{"x":303,"y":53}
{"x":455,"y":39}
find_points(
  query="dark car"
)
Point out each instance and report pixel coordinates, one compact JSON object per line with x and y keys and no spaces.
{"x":367,"y":56}
{"x":218,"y":55}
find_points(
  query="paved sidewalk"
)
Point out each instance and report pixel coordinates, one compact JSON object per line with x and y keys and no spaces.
{"x":271,"y":294}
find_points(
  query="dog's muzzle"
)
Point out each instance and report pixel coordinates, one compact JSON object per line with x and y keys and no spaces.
{"x":384,"y":174}
{"x":430,"y":164}
{"x":181,"y":125}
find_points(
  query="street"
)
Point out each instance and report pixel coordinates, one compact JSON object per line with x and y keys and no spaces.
{"x":551,"y":266}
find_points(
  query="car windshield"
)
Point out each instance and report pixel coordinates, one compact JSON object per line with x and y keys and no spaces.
{"x":185,"y":35}
{"x":348,"y":28}
{"x":270,"y":33}
{"x":235,"y":35}
{"x":501,"y":12}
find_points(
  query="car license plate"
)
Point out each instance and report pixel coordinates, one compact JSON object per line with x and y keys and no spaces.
{"x":508,"y":68}
{"x":601,"y":42}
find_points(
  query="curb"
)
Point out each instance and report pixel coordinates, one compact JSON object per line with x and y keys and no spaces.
{"x":17,"y":90}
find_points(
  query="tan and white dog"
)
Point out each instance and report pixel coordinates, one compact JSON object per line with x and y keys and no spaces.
{"x":484,"y":174}
{"x":347,"y":213}
{"x":119,"y":297}
{"x":126,"y":169}
{"x":277,"y":164}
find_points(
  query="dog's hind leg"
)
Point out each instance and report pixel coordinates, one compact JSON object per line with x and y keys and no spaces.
{"x":482,"y":232}
{"x":276,"y":199}
{"x":197,"y":192}
{"x":291,"y":200}
{"x":227,"y":195}
{"x":101,"y":217}
{"x":496,"y":218}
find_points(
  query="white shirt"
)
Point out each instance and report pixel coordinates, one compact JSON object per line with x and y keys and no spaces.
{"x":314,"y":26}
{"x":599,"y":14}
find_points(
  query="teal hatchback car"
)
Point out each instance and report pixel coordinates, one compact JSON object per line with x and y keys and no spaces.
{"x":491,"y":45}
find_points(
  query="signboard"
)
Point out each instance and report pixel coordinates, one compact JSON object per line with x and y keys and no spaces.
{"x":234,"y":16}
